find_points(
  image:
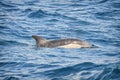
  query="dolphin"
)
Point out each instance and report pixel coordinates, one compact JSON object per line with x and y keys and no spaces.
{"x":61,"y":43}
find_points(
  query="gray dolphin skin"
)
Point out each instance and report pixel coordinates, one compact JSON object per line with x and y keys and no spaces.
{"x":63,"y":43}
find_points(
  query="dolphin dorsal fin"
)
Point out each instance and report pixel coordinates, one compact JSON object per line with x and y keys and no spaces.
{"x":39,"y":40}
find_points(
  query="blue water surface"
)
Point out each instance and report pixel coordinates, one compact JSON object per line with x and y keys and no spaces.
{"x":96,"y":21}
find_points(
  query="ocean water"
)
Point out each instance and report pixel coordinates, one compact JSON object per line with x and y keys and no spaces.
{"x":96,"y":21}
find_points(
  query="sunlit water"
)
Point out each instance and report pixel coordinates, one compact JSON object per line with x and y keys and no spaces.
{"x":96,"y":21}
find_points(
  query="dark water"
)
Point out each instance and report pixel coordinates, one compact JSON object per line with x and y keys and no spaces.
{"x":96,"y":21}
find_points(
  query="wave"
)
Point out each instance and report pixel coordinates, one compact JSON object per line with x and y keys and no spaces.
{"x":80,"y":23}
{"x":3,"y":27}
{"x":3,"y":64}
{"x":78,"y":5}
{"x":58,"y":15}
{"x":41,"y":14}
{"x":116,"y":5}
{"x":107,"y":74}
{"x":109,"y":15}
{"x":103,"y":1}
{"x":111,"y":54}
{"x":87,"y":1}
{"x":5,"y":4}
{"x":82,"y":3}
{"x":27,"y":10}
{"x":24,"y":64}
{"x":10,"y":43}
{"x":37,"y":14}
{"x":71,"y":69}
{"x":11,"y":78}
{"x":53,"y":20}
